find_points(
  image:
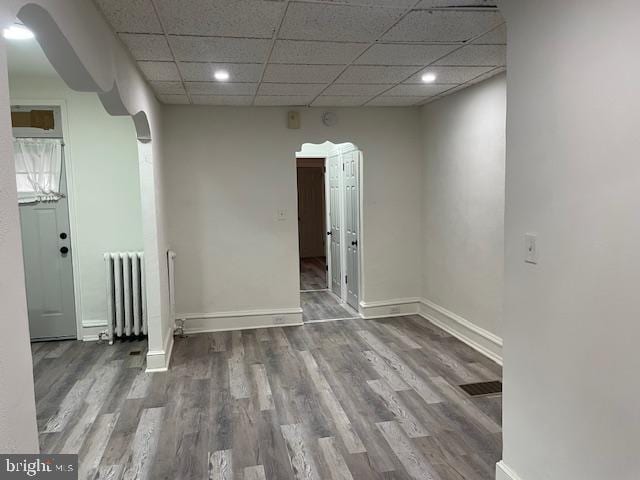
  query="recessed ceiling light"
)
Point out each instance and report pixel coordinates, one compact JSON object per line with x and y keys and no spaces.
{"x":429,"y":77}
{"x":17,"y":32}
{"x":221,"y":75}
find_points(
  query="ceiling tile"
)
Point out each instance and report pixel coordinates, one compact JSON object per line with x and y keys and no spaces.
{"x":147,"y":47}
{"x":417,"y":90}
{"x":174,"y":99}
{"x":208,"y":49}
{"x":340,"y":101}
{"x":457,"y":3}
{"x":221,"y":88}
{"x":166,"y":71}
{"x":291,"y":89}
{"x":403,"y":54}
{"x":348,"y":23}
{"x":451,"y":75}
{"x":324,"y":53}
{"x":235,"y":100}
{"x":442,"y":26}
{"x":359,"y":90}
{"x":133,"y":16}
{"x":477,"y":55}
{"x":301,"y":73}
{"x":494,"y":37}
{"x":488,"y":75}
{"x":238,"y":72}
{"x":366,"y":74}
{"x":390,"y":101}
{"x":235,"y":18}
{"x":283,"y":100}
{"x":168,"y":88}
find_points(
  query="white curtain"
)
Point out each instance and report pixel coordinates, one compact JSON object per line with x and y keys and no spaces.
{"x":38,"y":168}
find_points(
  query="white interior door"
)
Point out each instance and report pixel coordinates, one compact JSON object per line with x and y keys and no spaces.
{"x":46,"y":249}
{"x":335,"y":172}
{"x":351,"y":225}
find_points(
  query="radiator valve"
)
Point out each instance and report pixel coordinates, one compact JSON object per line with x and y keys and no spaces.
{"x":179,"y":329}
{"x":104,"y":336}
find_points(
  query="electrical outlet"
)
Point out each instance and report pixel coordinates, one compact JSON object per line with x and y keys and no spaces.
{"x":394,"y":310}
{"x":278,"y":320}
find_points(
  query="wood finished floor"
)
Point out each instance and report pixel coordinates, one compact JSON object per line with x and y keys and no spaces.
{"x":357,"y":399}
{"x":322,"y":305}
{"x":313,"y":273}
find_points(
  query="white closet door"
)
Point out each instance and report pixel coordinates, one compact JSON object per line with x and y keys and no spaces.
{"x":351,"y":224}
{"x":335,"y":171}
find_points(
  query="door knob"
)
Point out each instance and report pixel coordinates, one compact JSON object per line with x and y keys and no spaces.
{"x":329,"y":233}
{"x":64,"y":250}
{"x":63,"y":235}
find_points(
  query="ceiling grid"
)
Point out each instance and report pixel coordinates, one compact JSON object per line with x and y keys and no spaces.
{"x":310,"y":52}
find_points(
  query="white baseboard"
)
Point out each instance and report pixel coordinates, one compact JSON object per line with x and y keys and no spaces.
{"x":91,"y":329}
{"x":240,"y":320}
{"x":390,"y":308}
{"x":483,"y":341}
{"x":504,"y":472}
{"x":159,"y":360}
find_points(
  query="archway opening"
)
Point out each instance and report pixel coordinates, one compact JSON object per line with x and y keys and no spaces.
{"x":329,"y":230}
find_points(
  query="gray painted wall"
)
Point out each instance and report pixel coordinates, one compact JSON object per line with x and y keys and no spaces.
{"x":573,"y":177}
{"x":463,"y":203}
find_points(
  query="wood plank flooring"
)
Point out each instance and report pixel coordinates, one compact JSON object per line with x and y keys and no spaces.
{"x":322,"y":305}
{"x":350,"y":400}
{"x":313,"y":273}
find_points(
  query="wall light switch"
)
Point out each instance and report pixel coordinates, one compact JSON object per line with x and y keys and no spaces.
{"x":282,"y":215}
{"x":531,"y":248}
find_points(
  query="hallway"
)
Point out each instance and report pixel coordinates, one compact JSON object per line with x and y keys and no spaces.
{"x":356,"y":399}
{"x":313,"y":274}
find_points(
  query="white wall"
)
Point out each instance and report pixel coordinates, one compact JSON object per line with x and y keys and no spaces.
{"x":572,"y":326}
{"x":463,"y":203}
{"x":89,"y":57}
{"x":229,"y":171}
{"x":106,"y":184}
{"x":18,"y":431}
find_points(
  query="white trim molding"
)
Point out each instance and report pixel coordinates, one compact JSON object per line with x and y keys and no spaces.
{"x":477,"y":338}
{"x":91,"y":329}
{"x":504,"y":472}
{"x":398,"y":307}
{"x":159,"y":360}
{"x":240,"y":320}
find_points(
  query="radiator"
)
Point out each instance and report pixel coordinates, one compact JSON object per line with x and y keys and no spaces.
{"x":126,"y":299}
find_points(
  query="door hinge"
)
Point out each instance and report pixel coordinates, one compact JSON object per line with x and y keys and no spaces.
{"x":326,"y":267}
{"x":345,"y":279}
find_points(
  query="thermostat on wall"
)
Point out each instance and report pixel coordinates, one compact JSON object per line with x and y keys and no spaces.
{"x":293,"y":120}
{"x":329,"y":119}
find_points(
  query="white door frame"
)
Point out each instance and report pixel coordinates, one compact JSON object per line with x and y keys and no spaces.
{"x":71,"y":201}
{"x":327,"y":221}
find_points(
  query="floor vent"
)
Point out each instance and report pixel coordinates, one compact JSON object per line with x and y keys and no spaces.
{"x":135,"y":353}
{"x":482,"y":388}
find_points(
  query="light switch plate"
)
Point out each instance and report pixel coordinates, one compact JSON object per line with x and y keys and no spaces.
{"x":531,"y":248}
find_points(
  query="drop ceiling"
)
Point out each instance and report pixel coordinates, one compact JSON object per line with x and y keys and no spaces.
{"x":310,"y":52}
